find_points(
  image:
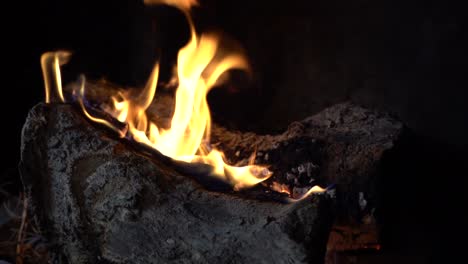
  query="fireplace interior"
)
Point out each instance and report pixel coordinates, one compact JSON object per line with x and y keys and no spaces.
{"x":405,"y":61}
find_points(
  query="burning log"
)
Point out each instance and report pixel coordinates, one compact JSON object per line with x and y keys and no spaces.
{"x":101,"y":199}
{"x":341,"y":146}
{"x":164,"y":186}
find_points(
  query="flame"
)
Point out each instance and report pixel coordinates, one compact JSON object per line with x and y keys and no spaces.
{"x":92,"y":118}
{"x":281,"y":188}
{"x":184,"y":5}
{"x":313,"y":190}
{"x":199,"y":67}
{"x":200,"y":64}
{"x":50,"y":64}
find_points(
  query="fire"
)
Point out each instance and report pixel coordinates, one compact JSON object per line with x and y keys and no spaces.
{"x":199,"y":67}
{"x":311,"y":191}
{"x":50,"y":63}
{"x":184,"y":5}
{"x":281,"y":188}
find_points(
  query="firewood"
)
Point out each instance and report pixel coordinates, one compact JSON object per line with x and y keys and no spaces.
{"x":106,"y":198}
{"x":100,"y":201}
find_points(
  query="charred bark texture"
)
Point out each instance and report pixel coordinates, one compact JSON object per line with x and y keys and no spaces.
{"x":101,"y":202}
{"x":342,"y":146}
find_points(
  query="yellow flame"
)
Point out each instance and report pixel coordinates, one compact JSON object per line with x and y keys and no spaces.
{"x":92,"y":118}
{"x":50,"y":64}
{"x":188,"y":136}
{"x":199,"y":67}
{"x":200,"y":64}
{"x":281,"y":188}
{"x":313,"y":190}
{"x":184,"y":5}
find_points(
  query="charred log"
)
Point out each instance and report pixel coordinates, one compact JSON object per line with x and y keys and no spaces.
{"x":340,"y":146}
{"x":107,"y":198}
{"x":100,"y":201}
{"x":343,"y":146}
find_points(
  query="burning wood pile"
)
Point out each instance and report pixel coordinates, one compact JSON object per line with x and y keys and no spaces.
{"x":134,"y":176}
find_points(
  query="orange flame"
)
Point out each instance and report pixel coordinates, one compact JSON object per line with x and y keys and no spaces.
{"x":281,"y":188}
{"x":50,"y":64}
{"x":313,"y":190}
{"x":184,"y":5}
{"x":199,"y":67}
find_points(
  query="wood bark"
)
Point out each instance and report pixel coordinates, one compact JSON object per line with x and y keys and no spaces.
{"x":100,"y":198}
{"x":99,"y":201}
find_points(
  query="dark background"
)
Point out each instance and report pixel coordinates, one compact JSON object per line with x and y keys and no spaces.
{"x":406,"y":57}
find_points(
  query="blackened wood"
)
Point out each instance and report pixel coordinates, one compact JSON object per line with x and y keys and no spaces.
{"x":101,"y":202}
{"x":342,"y":146}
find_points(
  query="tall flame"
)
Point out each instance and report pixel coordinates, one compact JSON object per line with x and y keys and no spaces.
{"x":50,"y":63}
{"x":199,"y":66}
